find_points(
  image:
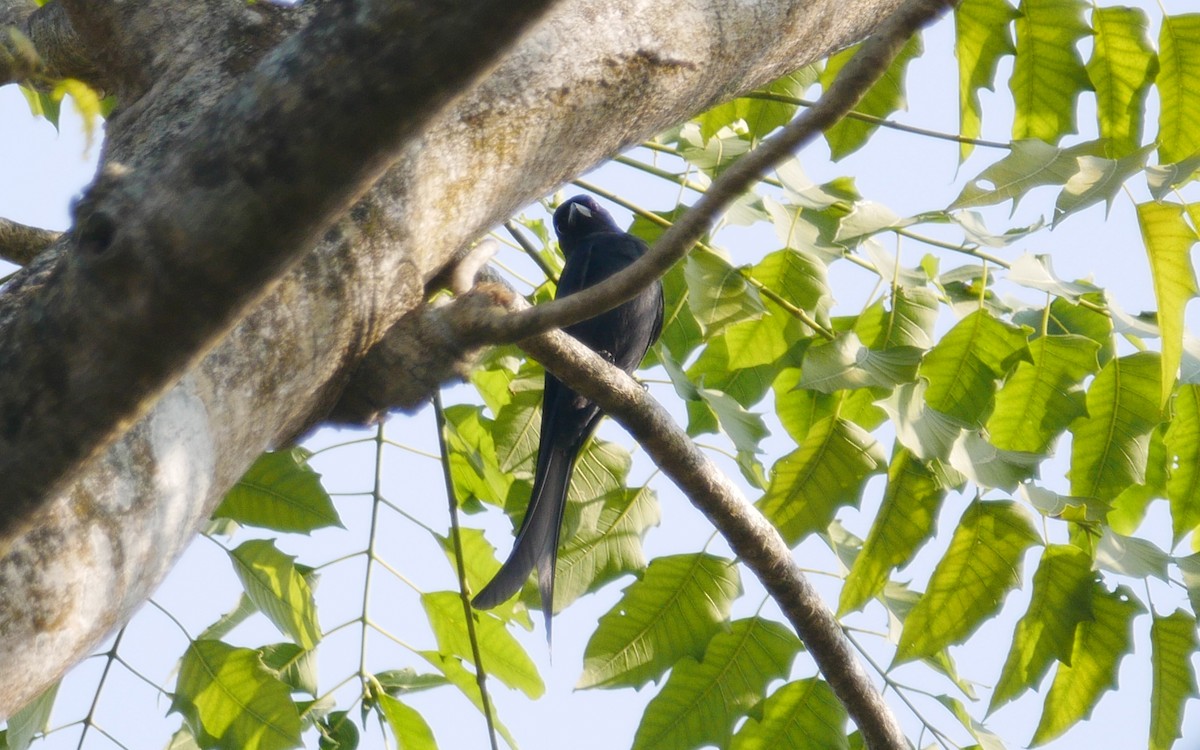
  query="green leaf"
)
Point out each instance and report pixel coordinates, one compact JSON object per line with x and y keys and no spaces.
{"x":1172,"y":645}
{"x":475,"y":466}
{"x":702,"y":701}
{"x":411,"y":730}
{"x":911,"y":502}
{"x":1110,"y":446}
{"x":800,"y":278}
{"x":275,"y":585}
{"x":231,"y":701}
{"x":87,"y":102}
{"x":466,"y":682}
{"x":338,"y":732}
{"x":1122,"y":67}
{"x":1062,"y":598}
{"x":963,"y":367}
{"x":293,"y":665}
{"x":1099,"y":645}
{"x":827,"y":471}
{"x":1048,"y":74}
{"x":670,"y":613}
{"x":988,"y":466}
{"x":882,"y":99}
{"x":928,"y":433}
{"x":399,"y":682}
{"x":280,"y":492}
{"x":1043,"y":396}
{"x":1169,"y":239}
{"x":744,"y":428}
{"x":681,"y":332}
{"x":1183,"y":446}
{"x":803,"y":228}
{"x":713,"y":155}
{"x":1030,"y":164}
{"x":969,"y":583}
{"x":42,"y":104}
{"x":1097,"y":179}
{"x":1178,"y":80}
{"x":1035,"y":272}
{"x":31,"y":720}
{"x":502,"y":655}
{"x":594,"y":556}
{"x":909,"y":321}
{"x":845,"y":363}
{"x":1163,"y":178}
{"x":718,"y":294}
{"x":798,"y":714}
{"x":982,"y":35}
{"x":1130,"y":556}
{"x":230,"y":620}
{"x":760,"y":115}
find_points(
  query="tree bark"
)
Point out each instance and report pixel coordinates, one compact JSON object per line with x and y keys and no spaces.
{"x":590,"y":79}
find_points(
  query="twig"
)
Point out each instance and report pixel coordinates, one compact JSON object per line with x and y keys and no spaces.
{"x":468,"y":613}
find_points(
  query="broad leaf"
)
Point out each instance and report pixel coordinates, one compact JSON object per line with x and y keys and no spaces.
{"x":595,"y":556}
{"x":293,"y":665}
{"x":231,"y":701}
{"x":703,"y":700}
{"x":717,"y":293}
{"x":410,"y":728}
{"x":969,"y":583}
{"x":466,"y":682}
{"x":804,"y":714}
{"x":1042,"y":396}
{"x":827,"y":471}
{"x":1172,"y":645}
{"x":1048,"y":74}
{"x":760,"y":115}
{"x":982,"y":35}
{"x":882,"y":99}
{"x":1062,"y":598}
{"x":1122,"y":67}
{"x":1178,"y":81}
{"x":1030,"y":164}
{"x":1169,"y":240}
{"x":503,"y":657}
{"x":845,"y":364}
{"x":672,"y":612}
{"x":1097,"y":179}
{"x":963,"y":367}
{"x":908,"y":322}
{"x":1183,"y":446}
{"x":1099,"y":645}
{"x":33,"y":719}
{"x":911,"y":503}
{"x":1110,"y":447}
{"x":1035,"y":272}
{"x":280,"y":492}
{"x":1130,"y":556}
{"x":278,"y":589}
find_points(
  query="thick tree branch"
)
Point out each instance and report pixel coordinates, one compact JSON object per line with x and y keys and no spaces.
{"x":56,"y":50}
{"x":867,"y":66}
{"x":20,"y":244}
{"x":147,"y":290}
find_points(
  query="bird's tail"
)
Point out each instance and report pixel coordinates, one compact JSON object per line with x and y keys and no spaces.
{"x":537,"y":541}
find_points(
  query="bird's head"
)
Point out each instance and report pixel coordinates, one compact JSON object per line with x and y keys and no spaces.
{"x":581,"y":216}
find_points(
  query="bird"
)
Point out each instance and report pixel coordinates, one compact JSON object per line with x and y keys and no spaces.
{"x":595,"y":248}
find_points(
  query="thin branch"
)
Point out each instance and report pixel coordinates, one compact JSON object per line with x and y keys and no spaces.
{"x":468,"y":613}
{"x":530,"y":250}
{"x":863,"y":70}
{"x":881,"y":122}
{"x":20,"y":243}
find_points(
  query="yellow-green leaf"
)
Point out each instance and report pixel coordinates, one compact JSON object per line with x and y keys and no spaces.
{"x":671,"y":613}
{"x":1048,"y":74}
{"x":411,"y":730}
{"x":963,"y":367}
{"x":970,"y":582}
{"x":802,"y":714}
{"x":1062,"y":598}
{"x":278,"y":589}
{"x":1031,"y":163}
{"x":280,"y":491}
{"x":882,"y":99}
{"x":1168,"y":239}
{"x":1172,"y":645}
{"x":1099,"y":645}
{"x":911,"y":502}
{"x":702,"y":700}
{"x":827,"y":471}
{"x":1111,"y":444}
{"x":1183,"y":473}
{"x":982,"y":35}
{"x":503,"y":656}
{"x":1178,"y":81}
{"x":1122,"y":67}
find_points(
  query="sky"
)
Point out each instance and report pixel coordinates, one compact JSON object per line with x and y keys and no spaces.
{"x":44,"y":170}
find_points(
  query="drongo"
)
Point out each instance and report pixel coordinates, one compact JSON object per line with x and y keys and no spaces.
{"x":595,"y":248}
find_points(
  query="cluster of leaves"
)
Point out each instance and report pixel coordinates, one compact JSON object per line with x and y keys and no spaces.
{"x":973,"y":388}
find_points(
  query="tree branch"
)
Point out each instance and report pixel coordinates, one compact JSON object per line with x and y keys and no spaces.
{"x":148,"y":289}
{"x":854,"y":80}
{"x":20,"y":244}
{"x":56,"y":52}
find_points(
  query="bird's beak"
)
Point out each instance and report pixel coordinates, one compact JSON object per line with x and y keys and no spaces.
{"x":581,"y":209}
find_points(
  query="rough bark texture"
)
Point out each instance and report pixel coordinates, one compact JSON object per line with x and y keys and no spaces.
{"x":593,"y":77}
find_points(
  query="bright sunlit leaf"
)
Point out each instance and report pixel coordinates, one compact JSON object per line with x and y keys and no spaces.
{"x":1169,"y":240}
{"x":982,"y":35}
{"x":1048,"y":74}
{"x":804,"y":713}
{"x":1178,"y":81}
{"x":1121,"y":70}
{"x":1172,"y":644}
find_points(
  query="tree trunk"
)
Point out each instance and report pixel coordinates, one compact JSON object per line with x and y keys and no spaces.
{"x":591,"y":78}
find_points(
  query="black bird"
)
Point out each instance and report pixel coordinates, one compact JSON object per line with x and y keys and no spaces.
{"x":595,"y":248}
